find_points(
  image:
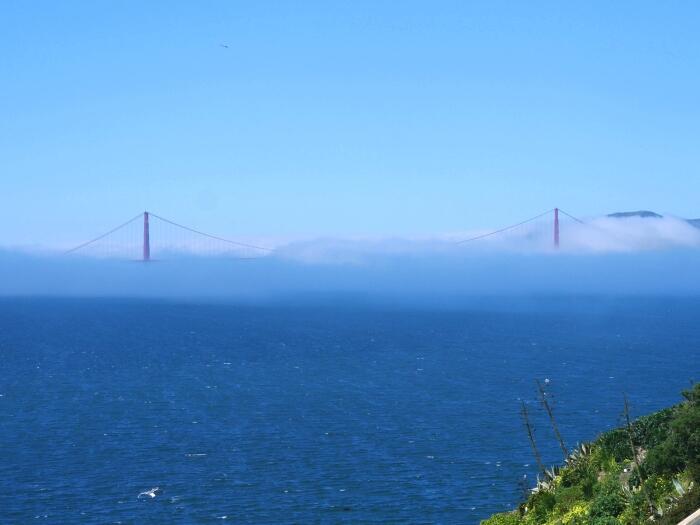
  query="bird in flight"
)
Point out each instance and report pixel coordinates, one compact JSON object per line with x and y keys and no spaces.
{"x":224,"y":46}
{"x":150,"y":493}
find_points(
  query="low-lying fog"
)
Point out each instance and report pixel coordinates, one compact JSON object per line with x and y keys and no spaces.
{"x":603,"y":256}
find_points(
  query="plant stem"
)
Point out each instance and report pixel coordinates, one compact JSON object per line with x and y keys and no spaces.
{"x":545,"y":403}
{"x":531,"y":437}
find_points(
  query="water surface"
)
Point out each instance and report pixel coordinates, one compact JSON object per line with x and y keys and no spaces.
{"x":311,"y":414}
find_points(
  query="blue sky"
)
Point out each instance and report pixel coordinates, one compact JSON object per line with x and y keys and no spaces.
{"x":343,"y":118}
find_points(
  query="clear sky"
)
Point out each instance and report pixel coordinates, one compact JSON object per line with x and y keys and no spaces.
{"x":341,"y":118}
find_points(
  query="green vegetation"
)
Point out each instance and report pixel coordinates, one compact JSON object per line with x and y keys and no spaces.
{"x":648,"y":470}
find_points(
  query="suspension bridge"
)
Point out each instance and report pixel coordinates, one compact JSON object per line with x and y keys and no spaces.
{"x":147,"y":233}
{"x":148,"y":236}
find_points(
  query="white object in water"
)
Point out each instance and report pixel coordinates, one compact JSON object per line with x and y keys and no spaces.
{"x":150,"y":493}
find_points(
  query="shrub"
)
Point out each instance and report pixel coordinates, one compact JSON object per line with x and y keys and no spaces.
{"x":577,"y":515}
{"x":566,"y":498}
{"x":637,"y":510}
{"x":684,"y":508}
{"x":505,"y":518}
{"x":606,"y":520}
{"x":609,"y":500}
{"x":658,"y":489}
{"x":647,"y":432}
{"x":582,"y":473}
{"x":650,"y":431}
{"x":681,"y":448}
{"x":539,"y":506}
{"x":616,"y":444}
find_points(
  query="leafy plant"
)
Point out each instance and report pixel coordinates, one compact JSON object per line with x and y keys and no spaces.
{"x":648,"y":471}
{"x":681,"y":447}
{"x":684,"y":507}
{"x":609,"y":500}
{"x":505,"y":518}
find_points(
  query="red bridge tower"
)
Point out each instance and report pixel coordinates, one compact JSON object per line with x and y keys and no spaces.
{"x":146,"y":239}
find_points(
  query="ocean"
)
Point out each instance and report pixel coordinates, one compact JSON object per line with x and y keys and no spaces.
{"x":313,"y":412}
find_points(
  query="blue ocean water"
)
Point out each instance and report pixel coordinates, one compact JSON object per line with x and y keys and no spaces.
{"x":312,"y":414}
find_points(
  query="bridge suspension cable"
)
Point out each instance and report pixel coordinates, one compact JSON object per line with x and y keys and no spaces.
{"x":501,"y":230}
{"x":100,"y":237}
{"x":244,"y":245}
{"x":571,"y":216}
